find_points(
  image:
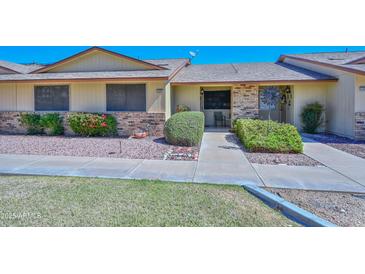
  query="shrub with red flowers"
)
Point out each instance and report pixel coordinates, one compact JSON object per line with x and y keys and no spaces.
{"x":92,"y":124}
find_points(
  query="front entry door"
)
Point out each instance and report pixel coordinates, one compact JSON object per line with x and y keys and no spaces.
{"x":216,"y":107}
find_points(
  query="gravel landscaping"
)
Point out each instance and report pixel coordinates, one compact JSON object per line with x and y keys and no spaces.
{"x":148,"y":148}
{"x":342,"y":209}
{"x":281,"y":158}
{"x":356,"y":148}
{"x":289,"y":159}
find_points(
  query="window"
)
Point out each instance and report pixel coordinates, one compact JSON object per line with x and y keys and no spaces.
{"x":217,"y":99}
{"x":53,"y":98}
{"x":126,"y":97}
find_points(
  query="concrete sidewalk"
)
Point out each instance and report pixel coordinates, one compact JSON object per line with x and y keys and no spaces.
{"x":319,"y":178}
{"x":180,"y":171}
{"x":221,"y":161}
{"x":346,"y":164}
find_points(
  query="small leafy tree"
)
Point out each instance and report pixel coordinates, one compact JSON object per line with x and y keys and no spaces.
{"x":270,"y":97}
{"x":312,"y":117}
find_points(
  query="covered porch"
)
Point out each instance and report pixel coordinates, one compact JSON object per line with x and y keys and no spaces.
{"x":222,"y":104}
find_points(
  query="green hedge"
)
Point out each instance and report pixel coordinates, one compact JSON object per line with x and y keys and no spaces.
{"x":268,"y":136}
{"x":32,"y":122}
{"x":185,"y":128}
{"x":35,"y":123}
{"x":52,"y":124}
{"x":92,"y":124}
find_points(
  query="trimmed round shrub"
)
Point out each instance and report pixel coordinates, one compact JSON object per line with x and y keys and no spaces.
{"x":185,"y":128}
{"x":52,"y":124}
{"x":92,"y":124}
{"x":312,"y":117}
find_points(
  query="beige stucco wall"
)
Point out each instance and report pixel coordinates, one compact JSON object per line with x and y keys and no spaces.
{"x":88,"y":97}
{"x":98,"y":61}
{"x":306,"y":93}
{"x":7,"y":97}
{"x":155,"y":98}
{"x":84,"y":96}
{"x":340,"y":99}
{"x":359,"y":95}
{"x":186,"y":95}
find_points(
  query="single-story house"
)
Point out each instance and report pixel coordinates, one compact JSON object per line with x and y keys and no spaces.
{"x":144,"y":93}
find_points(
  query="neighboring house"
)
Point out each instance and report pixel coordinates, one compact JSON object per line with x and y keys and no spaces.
{"x":144,"y":93}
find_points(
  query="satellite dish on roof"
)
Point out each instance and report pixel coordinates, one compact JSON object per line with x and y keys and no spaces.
{"x":193,"y":54}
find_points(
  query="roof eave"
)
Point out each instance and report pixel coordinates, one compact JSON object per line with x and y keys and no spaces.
{"x":339,"y":67}
{"x":89,"y":50}
{"x":253,"y":82}
{"x":110,"y":79}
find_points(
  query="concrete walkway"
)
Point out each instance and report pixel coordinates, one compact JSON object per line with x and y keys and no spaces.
{"x":346,"y":164}
{"x":341,"y":172}
{"x":221,"y":161}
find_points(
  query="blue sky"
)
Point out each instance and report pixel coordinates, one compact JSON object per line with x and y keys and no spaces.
{"x":207,"y":55}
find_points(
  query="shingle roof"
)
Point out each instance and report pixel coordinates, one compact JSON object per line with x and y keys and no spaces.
{"x":359,"y":67}
{"x":18,"y":68}
{"x":347,"y":61}
{"x":246,"y":72}
{"x":171,"y":66}
{"x":334,"y":58}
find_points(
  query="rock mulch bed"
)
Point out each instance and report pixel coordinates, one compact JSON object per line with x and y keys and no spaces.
{"x":281,"y":158}
{"x":356,"y":148}
{"x":182,"y":153}
{"x":149,"y":148}
{"x":343,"y":209}
{"x":289,"y":159}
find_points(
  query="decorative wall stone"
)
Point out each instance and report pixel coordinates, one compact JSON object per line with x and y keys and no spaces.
{"x":359,"y":133}
{"x":245,"y":101}
{"x":127,"y":122}
{"x":10,"y":123}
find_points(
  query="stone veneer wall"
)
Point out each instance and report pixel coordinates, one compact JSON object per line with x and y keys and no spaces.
{"x":359,"y":133}
{"x":245,"y":101}
{"x":127,"y":122}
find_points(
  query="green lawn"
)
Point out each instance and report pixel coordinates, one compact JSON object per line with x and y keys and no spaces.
{"x":71,"y":201}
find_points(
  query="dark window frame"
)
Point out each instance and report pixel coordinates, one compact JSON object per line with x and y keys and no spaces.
{"x":211,"y":92}
{"x":111,"y":105}
{"x":38,"y":105}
